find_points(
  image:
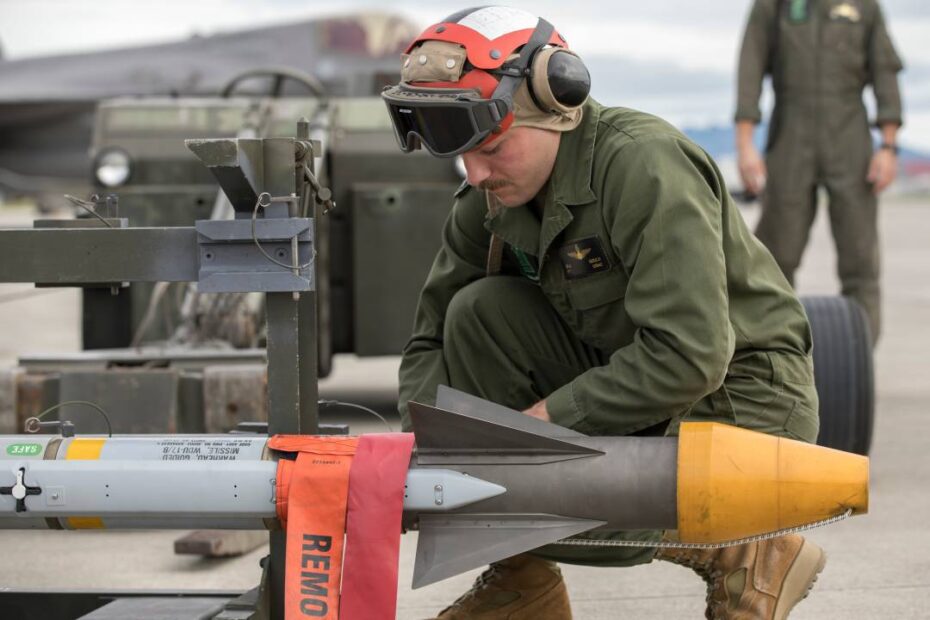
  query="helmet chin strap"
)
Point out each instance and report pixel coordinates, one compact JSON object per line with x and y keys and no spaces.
{"x":513,"y":73}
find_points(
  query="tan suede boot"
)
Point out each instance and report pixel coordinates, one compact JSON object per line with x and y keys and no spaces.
{"x":762,"y":580}
{"x":523,"y":587}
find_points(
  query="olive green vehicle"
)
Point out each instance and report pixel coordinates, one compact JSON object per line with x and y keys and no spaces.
{"x":374,"y":247}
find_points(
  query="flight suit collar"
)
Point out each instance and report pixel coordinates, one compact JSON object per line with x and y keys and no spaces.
{"x":569,"y":184}
{"x":517,"y":226}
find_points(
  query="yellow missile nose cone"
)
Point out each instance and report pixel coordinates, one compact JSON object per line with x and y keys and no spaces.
{"x":734,"y":483}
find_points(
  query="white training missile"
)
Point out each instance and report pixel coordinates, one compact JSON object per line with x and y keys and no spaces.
{"x":484,"y":483}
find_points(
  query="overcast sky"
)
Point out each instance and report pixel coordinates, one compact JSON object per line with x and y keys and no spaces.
{"x":672,"y":57}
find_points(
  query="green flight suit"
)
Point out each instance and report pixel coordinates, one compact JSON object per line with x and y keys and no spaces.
{"x":821,"y":54}
{"x":637,"y":299}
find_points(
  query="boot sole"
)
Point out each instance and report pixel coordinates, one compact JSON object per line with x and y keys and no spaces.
{"x":800,"y":578}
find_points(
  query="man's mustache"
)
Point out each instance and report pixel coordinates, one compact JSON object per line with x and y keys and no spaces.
{"x":489,"y":185}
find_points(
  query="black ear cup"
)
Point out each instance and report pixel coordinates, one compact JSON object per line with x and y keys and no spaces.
{"x":559,"y":81}
{"x":569,"y":79}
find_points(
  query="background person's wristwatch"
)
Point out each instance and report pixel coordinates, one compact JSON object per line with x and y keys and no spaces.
{"x":887,"y":146}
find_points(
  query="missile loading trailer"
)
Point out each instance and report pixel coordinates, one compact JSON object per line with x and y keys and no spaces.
{"x":267,"y":246}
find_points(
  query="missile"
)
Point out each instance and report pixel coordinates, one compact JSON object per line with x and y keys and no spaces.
{"x":714,"y":483}
{"x":484,"y":483}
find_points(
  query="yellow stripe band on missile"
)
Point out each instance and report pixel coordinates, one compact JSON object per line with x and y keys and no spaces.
{"x":85,"y":523}
{"x":84,"y":449}
{"x":734,"y":483}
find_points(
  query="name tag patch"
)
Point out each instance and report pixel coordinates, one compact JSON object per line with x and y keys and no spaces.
{"x":583,"y":257}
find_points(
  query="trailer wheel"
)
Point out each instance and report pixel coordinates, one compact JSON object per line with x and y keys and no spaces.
{"x":843,"y":372}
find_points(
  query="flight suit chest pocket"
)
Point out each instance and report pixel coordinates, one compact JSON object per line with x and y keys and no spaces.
{"x":844,"y":38}
{"x":843,"y":42}
{"x":844,"y":30}
{"x":598,"y":315}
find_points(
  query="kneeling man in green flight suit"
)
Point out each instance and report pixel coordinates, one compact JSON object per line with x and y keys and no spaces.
{"x":594,"y":273}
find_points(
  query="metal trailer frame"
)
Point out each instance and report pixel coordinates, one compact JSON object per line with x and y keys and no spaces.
{"x":220,"y":256}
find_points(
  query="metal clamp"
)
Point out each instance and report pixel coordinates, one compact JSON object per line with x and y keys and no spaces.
{"x":234,"y":260}
{"x":65,"y":428}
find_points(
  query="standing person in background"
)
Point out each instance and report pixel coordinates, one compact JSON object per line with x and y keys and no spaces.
{"x":821,"y":54}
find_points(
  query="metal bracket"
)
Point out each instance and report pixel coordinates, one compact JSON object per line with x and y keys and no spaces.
{"x":65,"y":428}
{"x":232,"y":262}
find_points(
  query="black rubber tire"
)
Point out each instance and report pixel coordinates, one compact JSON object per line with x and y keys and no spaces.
{"x":843,"y":372}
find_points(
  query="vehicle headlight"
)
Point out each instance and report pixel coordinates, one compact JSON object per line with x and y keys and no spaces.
{"x":112,"y":167}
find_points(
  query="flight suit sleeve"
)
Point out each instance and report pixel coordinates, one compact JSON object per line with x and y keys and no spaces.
{"x":665,"y":219}
{"x":754,"y":60}
{"x":461,"y":259}
{"x":884,"y":65}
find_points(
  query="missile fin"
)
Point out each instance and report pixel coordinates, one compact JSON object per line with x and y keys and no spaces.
{"x":452,"y":544}
{"x":449,"y":437}
{"x":464,"y":403}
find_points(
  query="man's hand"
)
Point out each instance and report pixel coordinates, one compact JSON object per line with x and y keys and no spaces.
{"x":752,"y":170}
{"x":883,"y":169}
{"x":538,"y":411}
{"x":751,"y":165}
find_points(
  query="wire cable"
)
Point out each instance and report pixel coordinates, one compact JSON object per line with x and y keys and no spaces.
{"x":265,"y":196}
{"x":670,"y":544}
{"x":339,"y":403}
{"x":89,"y":207}
{"x":32,"y":427}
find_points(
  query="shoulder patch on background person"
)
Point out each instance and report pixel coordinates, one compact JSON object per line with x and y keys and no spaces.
{"x":583,"y":257}
{"x":462,"y":189}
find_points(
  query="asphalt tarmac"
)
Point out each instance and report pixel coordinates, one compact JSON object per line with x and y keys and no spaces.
{"x":878,"y":566}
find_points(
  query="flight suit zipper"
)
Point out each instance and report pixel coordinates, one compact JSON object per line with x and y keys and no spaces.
{"x":817,"y":14}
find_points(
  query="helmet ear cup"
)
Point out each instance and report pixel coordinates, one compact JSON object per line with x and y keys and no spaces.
{"x":559,"y":82}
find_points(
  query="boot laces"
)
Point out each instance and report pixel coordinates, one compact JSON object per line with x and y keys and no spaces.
{"x":711,"y":574}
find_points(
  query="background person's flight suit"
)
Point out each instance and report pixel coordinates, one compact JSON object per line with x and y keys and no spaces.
{"x":821,"y":55}
{"x":636,"y":299}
